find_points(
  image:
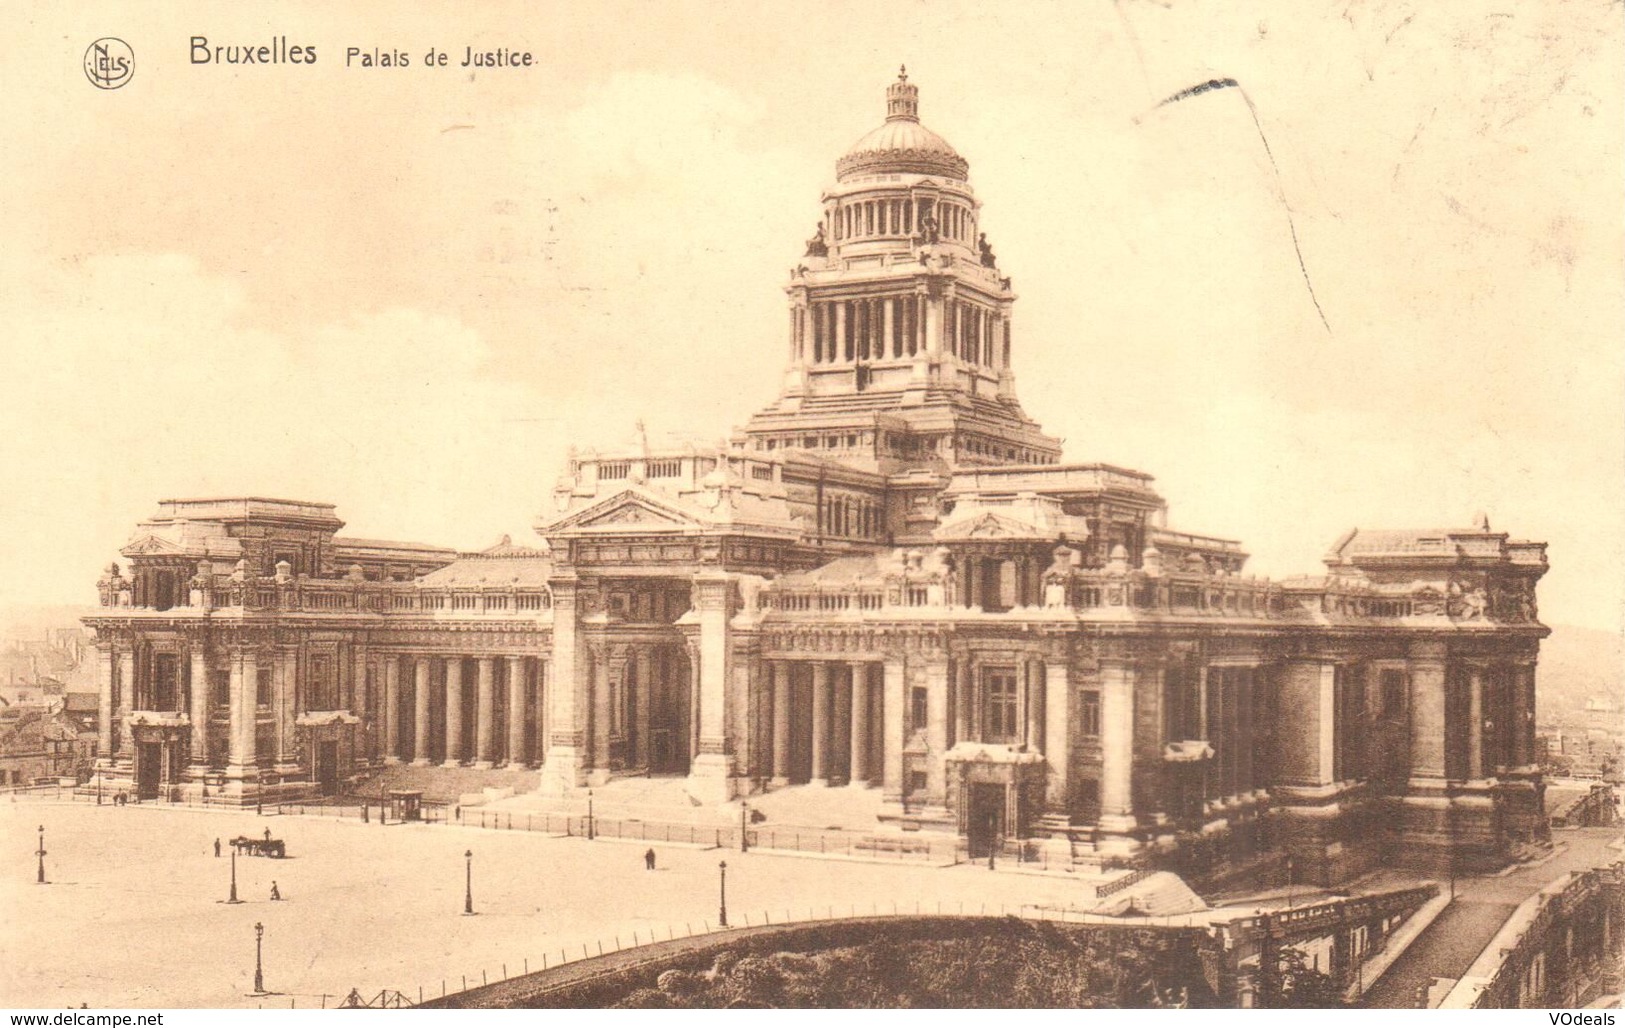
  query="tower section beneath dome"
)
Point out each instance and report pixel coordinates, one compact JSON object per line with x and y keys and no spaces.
{"x":900,"y":318}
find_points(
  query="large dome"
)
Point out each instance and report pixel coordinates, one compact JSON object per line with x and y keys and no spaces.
{"x":902,"y":145}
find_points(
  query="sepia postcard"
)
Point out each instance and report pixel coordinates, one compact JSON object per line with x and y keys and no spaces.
{"x":917,"y":505}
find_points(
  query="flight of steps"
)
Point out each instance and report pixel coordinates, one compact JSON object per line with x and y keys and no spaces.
{"x":443,"y":784}
{"x":1159,"y":893}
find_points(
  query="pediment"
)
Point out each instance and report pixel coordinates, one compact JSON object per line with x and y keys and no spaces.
{"x":152,"y":546}
{"x":629,"y":510}
{"x":987,"y":526}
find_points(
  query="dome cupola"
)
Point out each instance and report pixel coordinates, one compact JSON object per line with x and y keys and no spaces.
{"x":901,"y":145}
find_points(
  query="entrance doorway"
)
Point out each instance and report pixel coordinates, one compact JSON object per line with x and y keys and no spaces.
{"x":149,"y":758}
{"x":984,"y":818}
{"x":327,"y":767}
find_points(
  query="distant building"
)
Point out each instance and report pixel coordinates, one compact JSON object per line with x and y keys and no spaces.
{"x":889,"y":579}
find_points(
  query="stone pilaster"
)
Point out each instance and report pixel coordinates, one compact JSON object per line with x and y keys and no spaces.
{"x":891,"y":721}
{"x":936,"y":732}
{"x":1057,"y":737}
{"x":104,"y":704}
{"x":198,"y":704}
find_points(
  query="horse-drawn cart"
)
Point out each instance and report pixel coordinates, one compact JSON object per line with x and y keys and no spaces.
{"x":266,"y":847}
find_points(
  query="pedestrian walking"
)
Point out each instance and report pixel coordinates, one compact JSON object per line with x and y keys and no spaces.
{"x":217,"y":849}
{"x":649,"y":859}
{"x":276,"y":894}
{"x":267,"y":835}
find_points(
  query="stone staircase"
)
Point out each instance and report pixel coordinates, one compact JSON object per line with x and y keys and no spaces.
{"x":443,"y":784}
{"x":1158,"y":893}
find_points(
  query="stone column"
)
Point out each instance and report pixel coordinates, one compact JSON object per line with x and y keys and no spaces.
{"x":1523,"y":714}
{"x":244,"y":716}
{"x":420,"y":710}
{"x":1057,"y":719}
{"x":565,"y":766}
{"x":1305,"y":734}
{"x":126,"y":696}
{"x":284,"y":681}
{"x":840,"y":333}
{"x":889,"y":348}
{"x":963,"y":702}
{"x":516,"y":711}
{"x":199,"y":704}
{"x":936,"y":732}
{"x":485,"y":714}
{"x":711,"y":774}
{"x":1032,"y":690}
{"x":104,"y":703}
{"x":1116,"y":745}
{"x":454,"y":711}
{"x":891,"y":722}
{"x":781,"y":723}
{"x":860,"y":720}
{"x":1475,"y":721}
{"x":392,"y":709}
{"x":820,"y":723}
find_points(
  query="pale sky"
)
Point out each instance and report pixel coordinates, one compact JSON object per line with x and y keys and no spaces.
{"x":407,"y":291}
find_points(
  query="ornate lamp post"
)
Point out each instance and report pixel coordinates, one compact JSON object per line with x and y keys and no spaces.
{"x":233,"y":898}
{"x":722,"y":911}
{"x":468,"y":883}
{"x":98,"y":787}
{"x":41,"y":854}
{"x":590,"y":828}
{"x":744,"y":827}
{"x":259,"y":967}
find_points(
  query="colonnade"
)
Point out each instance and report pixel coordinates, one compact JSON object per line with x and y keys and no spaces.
{"x":824,"y":718}
{"x":465,"y":719}
{"x":876,"y":328}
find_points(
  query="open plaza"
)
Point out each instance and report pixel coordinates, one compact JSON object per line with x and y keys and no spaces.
{"x":133,"y":915}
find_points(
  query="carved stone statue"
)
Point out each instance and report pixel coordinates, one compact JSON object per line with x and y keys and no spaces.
{"x":817,"y":246}
{"x":929,"y":232}
{"x":986,"y":249}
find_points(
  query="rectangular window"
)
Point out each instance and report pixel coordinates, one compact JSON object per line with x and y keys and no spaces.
{"x":1089,"y":712}
{"x":220,"y":685}
{"x":918,"y":707}
{"x":999,"y":692}
{"x":262,"y":686}
{"x":322,"y":687}
{"x":1394,"y":688}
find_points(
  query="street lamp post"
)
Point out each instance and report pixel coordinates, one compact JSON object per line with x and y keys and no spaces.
{"x":98,"y":787}
{"x":722,"y":911}
{"x":233,"y":898}
{"x":468,"y":883}
{"x":744,"y":826}
{"x":41,"y":854}
{"x":259,"y":967}
{"x":590,"y":829}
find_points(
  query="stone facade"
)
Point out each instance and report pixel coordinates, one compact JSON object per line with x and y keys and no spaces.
{"x":888,"y":579}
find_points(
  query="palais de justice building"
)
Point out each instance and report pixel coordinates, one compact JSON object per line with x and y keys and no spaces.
{"x":888,"y":579}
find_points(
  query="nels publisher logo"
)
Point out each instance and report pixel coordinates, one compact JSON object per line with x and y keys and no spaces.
{"x":109,"y":63}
